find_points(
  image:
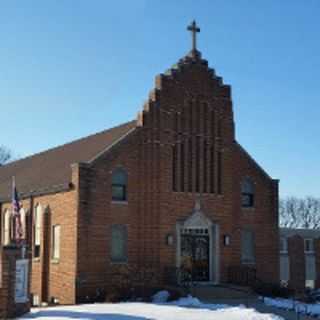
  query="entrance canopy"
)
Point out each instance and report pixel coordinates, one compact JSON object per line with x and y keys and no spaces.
{"x":197,"y":219}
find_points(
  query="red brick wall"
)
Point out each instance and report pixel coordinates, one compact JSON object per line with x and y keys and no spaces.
{"x":8,"y":308}
{"x":262,"y":218}
{"x":50,"y":278}
{"x":297,"y":262}
{"x":153,"y":208}
{"x":96,"y":215}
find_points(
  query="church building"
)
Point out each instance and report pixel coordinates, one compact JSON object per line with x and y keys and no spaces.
{"x":170,"y":191}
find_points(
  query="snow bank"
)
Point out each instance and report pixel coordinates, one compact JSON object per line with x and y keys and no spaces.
{"x":161,"y":297}
{"x":188,"y":301}
{"x":312,"y":309}
{"x":287,"y":304}
{"x":186,"y":308}
{"x":192,"y":302}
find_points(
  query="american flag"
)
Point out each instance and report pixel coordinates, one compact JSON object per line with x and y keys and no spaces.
{"x":18,"y":232}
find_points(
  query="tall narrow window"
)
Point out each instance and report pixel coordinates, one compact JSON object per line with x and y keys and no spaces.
{"x":283,"y":245}
{"x":219,"y":126}
{"x":219,"y":178}
{"x":56,"y":233}
{"x":190,"y":168}
{"x":37,"y":231}
{"x":205,"y":118}
{"x":212,"y":168}
{"x":197,"y":164}
{"x":119,"y":239}
{"x":6,"y":228}
{"x":205,"y":163}
{"x":183,"y":122}
{"x":182,"y":155}
{"x":212,"y":123}
{"x":212,"y":151}
{"x":247,"y":247}
{"x":198,"y":117}
{"x":23,"y":223}
{"x":247,"y":193}
{"x":176,"y":122}
{"x":308,"y":246}
{"x":119,"y":185}
{"x":191,"y":117}
{"x":174,"y":166}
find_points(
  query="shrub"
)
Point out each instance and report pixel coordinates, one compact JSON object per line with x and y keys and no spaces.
{"x":272,"y":290}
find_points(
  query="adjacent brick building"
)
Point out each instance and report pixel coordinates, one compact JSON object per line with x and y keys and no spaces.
{"x":172,"y":189}
{"x":300,"y":258}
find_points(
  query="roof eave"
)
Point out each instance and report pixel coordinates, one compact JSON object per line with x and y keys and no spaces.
{"x":41,"y":192}
{"x":111,"y":146}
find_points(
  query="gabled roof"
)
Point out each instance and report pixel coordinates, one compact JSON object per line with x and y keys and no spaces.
{"x":51,"y":168}
{"x":253,"y":161}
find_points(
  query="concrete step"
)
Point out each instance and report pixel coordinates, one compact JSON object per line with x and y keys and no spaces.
{"x":213,"y":292}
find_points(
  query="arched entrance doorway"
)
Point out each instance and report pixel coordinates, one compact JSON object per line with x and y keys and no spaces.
{"x":198,"y":246}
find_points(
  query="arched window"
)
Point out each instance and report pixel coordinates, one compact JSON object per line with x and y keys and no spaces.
{"x":119,"y":185}
{"x":247,"y":193}
{"x":6,"y":228}
{"x":23,"y":223}
{"x":37,"y":231}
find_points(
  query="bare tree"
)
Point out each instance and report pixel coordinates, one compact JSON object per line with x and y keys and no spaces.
{"x":5,"y":155}
{"x":300,"y":212}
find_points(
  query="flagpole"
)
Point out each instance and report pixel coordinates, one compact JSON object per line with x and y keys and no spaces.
{"x":17,"y":219}
{"x":14,"y":227}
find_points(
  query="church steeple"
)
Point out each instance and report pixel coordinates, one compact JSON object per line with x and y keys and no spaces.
{"x":194,"y":53}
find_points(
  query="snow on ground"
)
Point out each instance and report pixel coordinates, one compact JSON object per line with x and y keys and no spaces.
{"x":183,"y":309}
{"x":161,"y":296}
{"x":312,"y":309}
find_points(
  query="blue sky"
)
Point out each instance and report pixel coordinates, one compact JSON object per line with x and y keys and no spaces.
{"x":72,"y":68}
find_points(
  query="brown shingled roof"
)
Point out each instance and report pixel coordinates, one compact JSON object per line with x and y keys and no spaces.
{"x":52,"y":167}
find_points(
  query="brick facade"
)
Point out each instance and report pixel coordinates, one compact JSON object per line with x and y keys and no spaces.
{"x":182,"y":149}
{"x":50,"y":278}
{"x":153,"y":208}
{"x":9,"y":309}
{"x":301,"y":268}
{"x":297,"y":263}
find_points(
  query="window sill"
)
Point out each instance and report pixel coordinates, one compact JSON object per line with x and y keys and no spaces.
{"x":118,"y":262}
{"x":204,"y":194}
{"x":55,"y":261}
{"x":248,"y":208}
{"x":248,"y":263}
{"x":125,"y":203}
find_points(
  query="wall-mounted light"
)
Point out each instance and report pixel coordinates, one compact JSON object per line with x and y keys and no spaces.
{"x":169,"y":239}
{"x":226,"y":240}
